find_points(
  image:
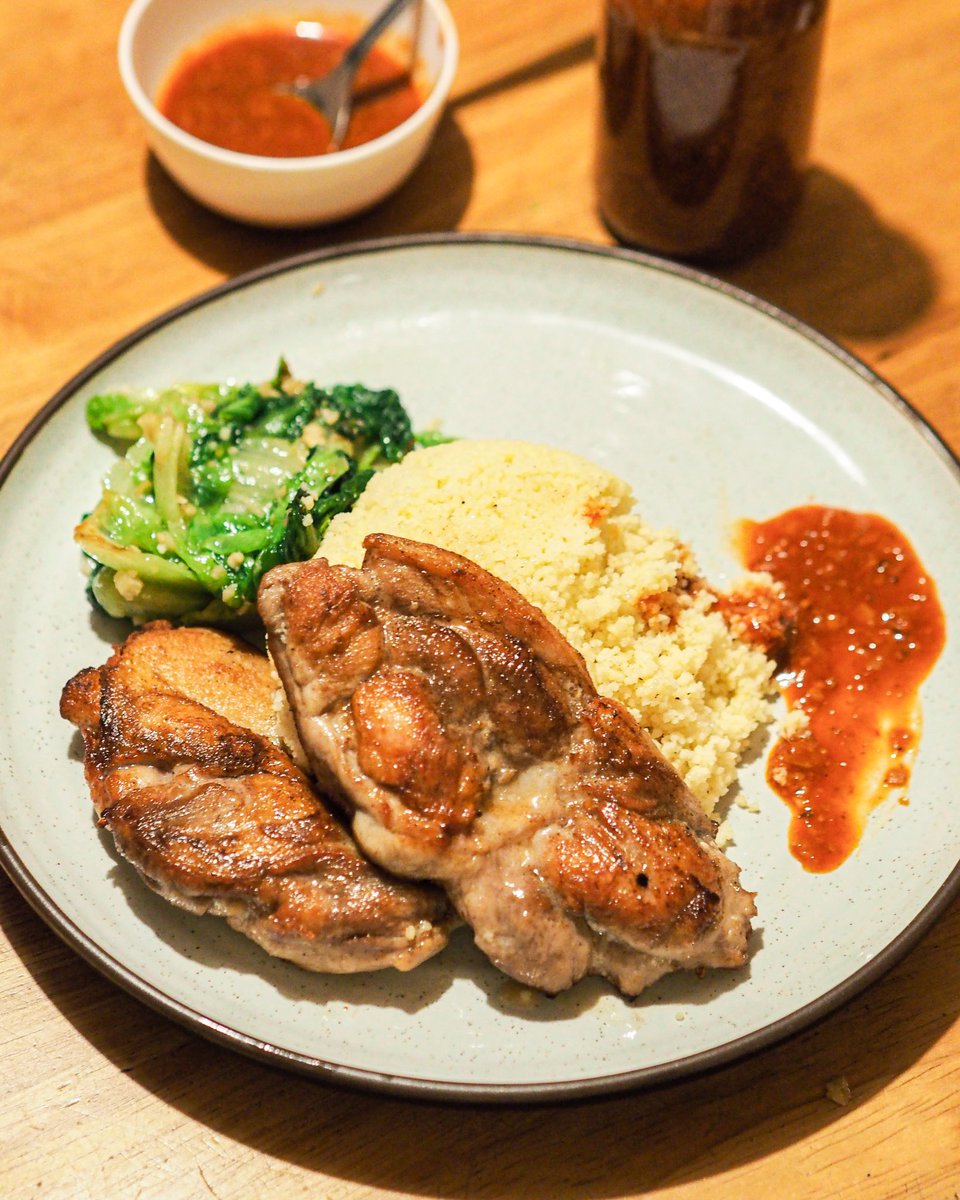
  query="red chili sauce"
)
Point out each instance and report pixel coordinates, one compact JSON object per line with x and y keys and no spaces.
{"x":224,"y":90}
{"x":869,"y":628}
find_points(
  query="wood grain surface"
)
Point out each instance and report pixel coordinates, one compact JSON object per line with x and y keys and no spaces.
{"x":99,"y":1096}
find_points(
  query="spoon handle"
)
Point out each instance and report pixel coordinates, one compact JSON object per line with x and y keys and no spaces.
{"x":358,"y":51}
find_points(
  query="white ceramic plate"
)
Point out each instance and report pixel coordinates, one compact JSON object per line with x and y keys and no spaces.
{"x":714,"y":406}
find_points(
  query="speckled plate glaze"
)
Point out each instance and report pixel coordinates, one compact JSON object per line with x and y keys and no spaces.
{"x":714,"y":406}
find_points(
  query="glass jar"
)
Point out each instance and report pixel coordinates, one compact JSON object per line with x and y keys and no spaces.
{"x":705,"y":115}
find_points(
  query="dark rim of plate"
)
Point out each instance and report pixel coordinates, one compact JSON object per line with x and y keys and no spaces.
{"x":429,"y":1089}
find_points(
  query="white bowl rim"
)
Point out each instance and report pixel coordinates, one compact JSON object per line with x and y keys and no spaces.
{"x":292,"y":165}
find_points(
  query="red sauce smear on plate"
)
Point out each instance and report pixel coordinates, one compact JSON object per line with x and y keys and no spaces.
{"x":869,"y":628}
{"x":224,"y":90}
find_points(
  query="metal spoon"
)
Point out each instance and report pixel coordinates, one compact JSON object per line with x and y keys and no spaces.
{"x":332,"y":94}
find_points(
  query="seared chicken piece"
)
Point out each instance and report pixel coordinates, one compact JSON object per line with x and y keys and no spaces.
{"x":180,"y":732}
{"x":466,"y":737}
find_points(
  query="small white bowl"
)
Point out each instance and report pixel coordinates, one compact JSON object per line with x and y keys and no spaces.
{"x":281,"y":191}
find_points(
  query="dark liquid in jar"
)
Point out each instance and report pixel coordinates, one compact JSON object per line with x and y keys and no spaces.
{"x":706,"y":108}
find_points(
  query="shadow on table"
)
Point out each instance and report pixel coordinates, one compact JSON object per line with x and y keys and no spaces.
{"x":561,"y":59}
{"x":592,"y":1150}
{"x":840,"y":267}
{"x":434,"y":198}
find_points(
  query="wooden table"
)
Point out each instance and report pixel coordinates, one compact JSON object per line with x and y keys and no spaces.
{"x":100,"y":1097}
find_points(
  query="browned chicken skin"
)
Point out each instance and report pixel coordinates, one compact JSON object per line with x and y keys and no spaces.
{"x":180,"y":734}
{"x":466,"y":737}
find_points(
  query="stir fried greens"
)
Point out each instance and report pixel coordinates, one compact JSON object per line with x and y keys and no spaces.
{"x":218,"y":483}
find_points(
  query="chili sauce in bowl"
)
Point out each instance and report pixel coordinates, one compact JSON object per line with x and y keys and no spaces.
{"x":227,"y":90}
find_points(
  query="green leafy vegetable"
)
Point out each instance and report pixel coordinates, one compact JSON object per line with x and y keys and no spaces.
{"x":217,"y":483}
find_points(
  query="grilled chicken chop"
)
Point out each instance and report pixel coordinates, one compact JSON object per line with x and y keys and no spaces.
{"x":180,"y":734}
{"x":465,"y":735}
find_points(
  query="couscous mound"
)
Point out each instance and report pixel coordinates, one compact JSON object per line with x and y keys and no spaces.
{"x":564,"y":532}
